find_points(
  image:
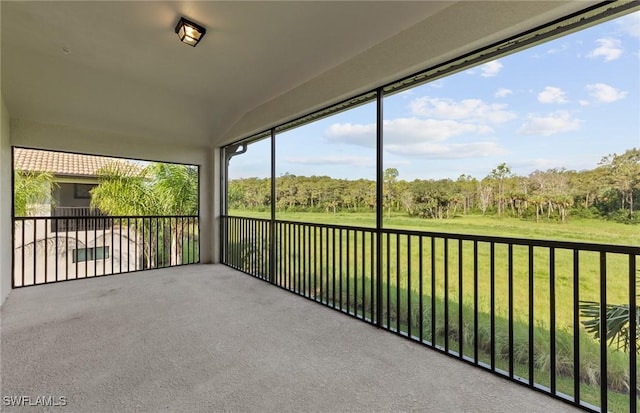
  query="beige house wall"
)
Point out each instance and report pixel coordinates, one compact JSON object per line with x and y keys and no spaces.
{"x":37,"y":247}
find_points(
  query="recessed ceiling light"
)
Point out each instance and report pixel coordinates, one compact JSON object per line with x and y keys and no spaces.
{"x":189,"y":32}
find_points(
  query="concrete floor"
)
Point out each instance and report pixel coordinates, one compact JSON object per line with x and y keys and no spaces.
{"x":206,"y":338}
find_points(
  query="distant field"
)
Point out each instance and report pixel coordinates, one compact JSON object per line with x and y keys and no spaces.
{"x":580,"y":230}
{"x":403,"y":282}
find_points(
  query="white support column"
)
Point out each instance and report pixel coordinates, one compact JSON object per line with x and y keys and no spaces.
{"x":215,"y":205}
{"x":207,"y":217}
{"x":6,"y":225}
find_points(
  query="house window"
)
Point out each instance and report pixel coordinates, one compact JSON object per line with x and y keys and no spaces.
{"x":81,"y":191}
{"x":90,"y":254}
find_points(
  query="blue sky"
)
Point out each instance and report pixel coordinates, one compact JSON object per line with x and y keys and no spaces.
{"x":565,"y":103}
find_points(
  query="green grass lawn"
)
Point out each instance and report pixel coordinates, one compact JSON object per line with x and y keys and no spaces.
{"x":575,"y":229}
{"x":402,"y":281}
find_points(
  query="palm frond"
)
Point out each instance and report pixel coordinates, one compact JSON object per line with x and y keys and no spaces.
{"x":31,"y":189}
{"x":617,"y":323}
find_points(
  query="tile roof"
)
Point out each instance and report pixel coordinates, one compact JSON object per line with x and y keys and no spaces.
{"x":62,"y":163}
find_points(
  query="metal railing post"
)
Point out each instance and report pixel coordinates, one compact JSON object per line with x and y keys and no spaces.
{"x":633,"y":319}
{"x":272,"y":221}
{"x":379,"y":211}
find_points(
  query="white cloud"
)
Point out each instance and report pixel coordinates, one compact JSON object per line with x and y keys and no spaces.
{"x":428,"y":133}
{"x":630,"y":24}
{"x":583,"y":102}
{"x":414,"y":136}
{"x":402,"y":131}
{"x":359,"y":161}
{"x":503,"y":92}
{"x":470,"y":109}
{"x":447,"y":151}
{"x":539,"y":164}
{"x":577,"y":162}
{"x":555,"y":122}
{"x":552,"y":94}
{"x":555,"y":50}
{"x":396,"y":163}
{"x":406,"y":94}
{"x":353,"y":134}
{"x":353,"y":128}
{"x":605,"y":93}
{"x":411,"y":130}
{"x":491,"y":69}
{"x":609,"y":48}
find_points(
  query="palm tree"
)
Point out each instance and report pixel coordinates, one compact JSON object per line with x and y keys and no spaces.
{"x":390,"y":178}
{"x":124,"y":189}
{"x":156,"y":190}
{"x":175,"y":187}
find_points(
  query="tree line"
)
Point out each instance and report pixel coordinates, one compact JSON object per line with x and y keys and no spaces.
{"x":610,"y":190}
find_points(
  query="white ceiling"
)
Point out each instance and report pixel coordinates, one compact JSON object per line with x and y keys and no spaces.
{"x":259,"y":62}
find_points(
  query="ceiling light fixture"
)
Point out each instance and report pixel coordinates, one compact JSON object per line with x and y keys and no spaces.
{"x":189,"y":32}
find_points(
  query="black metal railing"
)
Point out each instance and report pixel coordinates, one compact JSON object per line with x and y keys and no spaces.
{"x":509,"y":305}
{"x":78,"y":224}
{"x":92,"y":246}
